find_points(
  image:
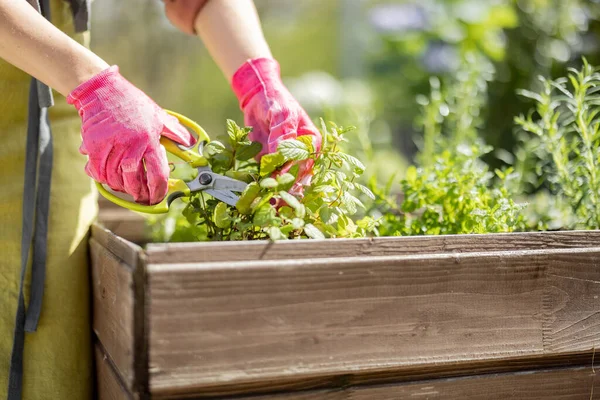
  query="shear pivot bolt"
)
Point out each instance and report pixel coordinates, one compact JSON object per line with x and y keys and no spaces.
{"x":205,"y":179}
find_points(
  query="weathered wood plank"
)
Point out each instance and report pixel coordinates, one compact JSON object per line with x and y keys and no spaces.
{"x":248,"y":326}
{"x":120,"y":273}
{"x":410,"y":245}
{"x":571,"y":304}
{"x":113,"y":305}
{"x":124,"y":250}
{"x":580,"y":383}
{"x":401,"y":376}
{"x":107,"y":382}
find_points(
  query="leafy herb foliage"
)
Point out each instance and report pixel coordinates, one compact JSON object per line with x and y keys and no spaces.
{"x":566,"y":126}
{"x":451,"y":190}
{"x":270,"y":208}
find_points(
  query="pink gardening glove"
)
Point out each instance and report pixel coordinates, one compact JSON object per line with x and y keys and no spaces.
{"x":121,"y":130}
{"x":272,"y":112}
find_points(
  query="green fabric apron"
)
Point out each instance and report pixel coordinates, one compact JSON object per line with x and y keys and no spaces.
{"x":58,"y":356}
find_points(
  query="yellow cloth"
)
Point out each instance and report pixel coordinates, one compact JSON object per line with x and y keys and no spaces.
{"x":58,"y":357}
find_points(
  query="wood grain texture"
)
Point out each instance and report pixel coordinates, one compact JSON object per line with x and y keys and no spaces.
{"x":119,"y":282}
{"x":124,"y":250}
{"x":580,"y":383}
{"x":234,"y":327}
{"x":164,"y":253}
{"x":108,"y":386}
{"x":113,"y":305}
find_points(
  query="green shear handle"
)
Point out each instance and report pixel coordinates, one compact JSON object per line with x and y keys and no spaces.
{"x":177,"y":187}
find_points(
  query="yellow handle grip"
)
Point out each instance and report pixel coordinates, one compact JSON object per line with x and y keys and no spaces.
{"x":177,"y":187}
{"x":187,"y":154}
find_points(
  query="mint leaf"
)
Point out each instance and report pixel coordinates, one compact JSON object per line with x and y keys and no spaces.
{"x":308,"y":142}
{"x":276,"y":234}
{"x":293,"y":150}
{"x":232,"y":129}
{"x":268,"y":183}
{"x":270,"y":162}
{"x":248,"y":151}
{"x":294,"y":203}
{"x":265,"y":216}
{"x":245,"y":201}
{"x":221,"y":216}
{"x":353,"y":161}
{"x":365,"y":190}
{"x":286,"y":179}
{"x":313,"y":232}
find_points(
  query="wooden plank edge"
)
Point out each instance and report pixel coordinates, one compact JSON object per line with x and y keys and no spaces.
{"x":263,"y":250}
{"x":122,"y":249}
{"x":109,"y":385}
{"x":555,"y":383}
{"x":343,"y":262}
{"x":133,"y":258}
{"x":141,"y":328}
{"x":112,"y":287}
{"x":375,"y":377}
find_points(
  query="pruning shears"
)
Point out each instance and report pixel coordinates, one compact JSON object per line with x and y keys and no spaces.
{"x":218,"y":186}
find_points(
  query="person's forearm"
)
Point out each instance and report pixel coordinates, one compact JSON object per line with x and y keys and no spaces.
{"x":32,"y":44}
{"x":231,"y":31}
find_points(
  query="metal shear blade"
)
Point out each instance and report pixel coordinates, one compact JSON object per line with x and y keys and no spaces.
{"x":219,"y":186}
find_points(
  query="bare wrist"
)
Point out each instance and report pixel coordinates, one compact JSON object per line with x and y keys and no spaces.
{"x":82,"y":72}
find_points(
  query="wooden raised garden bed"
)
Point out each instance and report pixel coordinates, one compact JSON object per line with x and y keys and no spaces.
{"x":451,"y":317}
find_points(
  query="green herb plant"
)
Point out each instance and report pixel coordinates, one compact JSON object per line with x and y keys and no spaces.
{"x":565,"y":124}
{"x":271,"y":206}
{"x":451,"y":190}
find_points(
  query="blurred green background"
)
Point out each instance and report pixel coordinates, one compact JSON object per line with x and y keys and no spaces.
{"x":361,"y":62}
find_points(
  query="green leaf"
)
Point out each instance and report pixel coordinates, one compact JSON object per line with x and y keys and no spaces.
{"x":221,"y":162}
{"x":326,"y":214}
{"x":265,"y":216}
{"x":287,"y":212}
{"x":294,"y":171}
{"x":232,"y":129}
{"x":297,"y":223}
{"x":365,"y":190}
{"x":287,"y":229}
{"x":411,"y":174}
{"x":325,"y":189}
{"x":308,"y":142}
{"x":313,"y":232}
{"x":293,"y":150}
{"x":350,"y":202}
{"x":268,"y":183}
{"x":294,"y":203}
{"x":240,"y":176}
{"x":221,"y":216}
{"x":286,"y":179}
{"x":190,"y":213}
{"x":355,"y":162}
{"x":270,"y":162}
{"x":212,"y":148}
{"x":248,"y":151}
{"x":276,"y":234}
{"x":367,"y":223}
{"x":245,"y":201}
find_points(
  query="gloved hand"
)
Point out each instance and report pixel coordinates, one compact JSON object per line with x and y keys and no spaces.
{"x":121,"y":130}
{"x":272,"y":112}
